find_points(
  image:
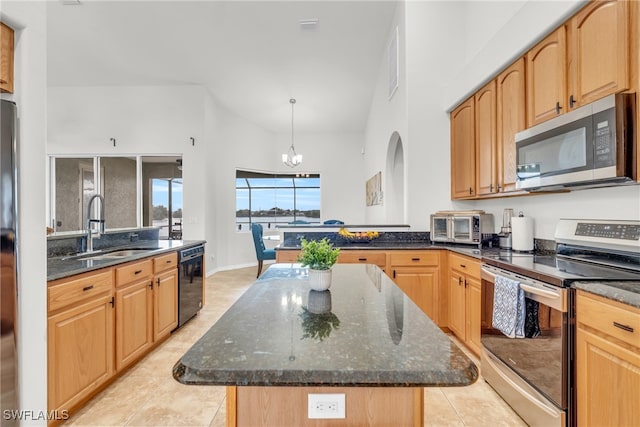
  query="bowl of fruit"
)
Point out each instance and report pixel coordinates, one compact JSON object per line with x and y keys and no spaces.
{"x":358,"y":236}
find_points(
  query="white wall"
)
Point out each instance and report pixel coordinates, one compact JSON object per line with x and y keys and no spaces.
{"x":451,"y":49}
{"x":144,"y":120}
{"x":30,"y":93}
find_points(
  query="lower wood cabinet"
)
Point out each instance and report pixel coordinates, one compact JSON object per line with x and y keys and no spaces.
{"x":417,"y":273}
{"x":465,"y":300}
{"x":607,"y":362}
{"x":101,"y":322}
{"x":80,"y":338}
{"x":165,"y":295}
{"x":165,"y":304}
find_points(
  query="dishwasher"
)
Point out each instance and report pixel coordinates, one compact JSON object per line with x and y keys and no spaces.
{"x":190,"y":282}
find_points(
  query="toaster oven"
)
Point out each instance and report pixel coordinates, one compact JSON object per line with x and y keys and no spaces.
{"x":461,"y":226}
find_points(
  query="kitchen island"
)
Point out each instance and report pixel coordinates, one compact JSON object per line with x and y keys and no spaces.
{"x":364,"y":339}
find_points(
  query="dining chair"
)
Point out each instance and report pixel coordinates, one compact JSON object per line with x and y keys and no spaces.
{"x":261,"y":252}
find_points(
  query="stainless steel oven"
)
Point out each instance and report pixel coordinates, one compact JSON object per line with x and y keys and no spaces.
{"x":532,"y":374}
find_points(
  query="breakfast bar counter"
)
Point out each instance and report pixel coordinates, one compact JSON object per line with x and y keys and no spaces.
{"x":363,"y":338}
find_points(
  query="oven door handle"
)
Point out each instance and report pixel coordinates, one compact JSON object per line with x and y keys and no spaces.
{"x":537,"y":291}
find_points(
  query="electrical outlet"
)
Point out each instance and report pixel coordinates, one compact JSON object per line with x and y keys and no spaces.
{"x":326,"y":406}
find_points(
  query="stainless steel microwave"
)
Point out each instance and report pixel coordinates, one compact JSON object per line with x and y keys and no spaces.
{"x":461,"y":226}
{"x":591,"y":146}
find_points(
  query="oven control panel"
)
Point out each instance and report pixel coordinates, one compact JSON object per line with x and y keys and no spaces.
{"x":608,"y":231}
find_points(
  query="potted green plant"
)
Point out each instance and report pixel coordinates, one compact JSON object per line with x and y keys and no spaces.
{"x":319,"y":256}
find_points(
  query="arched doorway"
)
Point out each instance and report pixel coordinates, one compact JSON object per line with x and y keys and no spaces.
{"x":394,"y":192}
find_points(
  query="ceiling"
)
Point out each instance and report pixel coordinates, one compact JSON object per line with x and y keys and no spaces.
{"x":252,"y":55}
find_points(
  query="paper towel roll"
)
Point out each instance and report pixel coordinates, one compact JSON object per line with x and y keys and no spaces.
{"x":522,"y":233}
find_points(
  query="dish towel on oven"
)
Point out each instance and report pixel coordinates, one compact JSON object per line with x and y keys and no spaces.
{"x":508,"y":307}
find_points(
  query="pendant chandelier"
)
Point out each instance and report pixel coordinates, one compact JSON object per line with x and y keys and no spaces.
{"x":291,"y":158}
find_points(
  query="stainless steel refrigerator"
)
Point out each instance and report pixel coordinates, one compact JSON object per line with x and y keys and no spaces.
{"x":8,"y":262}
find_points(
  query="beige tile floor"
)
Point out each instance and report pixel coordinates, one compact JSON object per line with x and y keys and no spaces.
{"x":147,"y":394}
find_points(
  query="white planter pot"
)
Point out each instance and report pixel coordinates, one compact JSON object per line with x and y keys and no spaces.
{"x":319,"y":280}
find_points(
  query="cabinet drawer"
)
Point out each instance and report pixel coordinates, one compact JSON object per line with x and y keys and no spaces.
{"x":363,"y":257}
{"x":132,"y":272}
{"x":608,"y":317}
{"x":287,"y":256}
{"x":66,"y":292}
{"x":410,"y":258}
{"x":165,"y":262}
{"x":464,"y":264}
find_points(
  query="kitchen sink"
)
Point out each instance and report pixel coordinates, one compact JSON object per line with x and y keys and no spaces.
{"x":105,"y":255}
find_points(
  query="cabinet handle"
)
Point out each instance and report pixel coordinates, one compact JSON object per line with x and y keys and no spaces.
{"x":415,"y":259}
{"x":169,"y":261}
{"x":158,"y":282}
{"x":137,"y":272}
{"x":112,"y":302}
{"x":362,"y":259}
{"x":394,"y":274}
{"x":558,"y":108}
{"x":465,"y":283}
{"x":470,"y":190}
{"x":87,"y":288}
{"x":572,"y":101}
{"x":151,"y":285}
{"x":623,"y":327}
{"x":463,"y":266}
{"x":491,"y":188}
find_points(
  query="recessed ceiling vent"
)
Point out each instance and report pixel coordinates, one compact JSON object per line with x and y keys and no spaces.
{"x":308,"y":24}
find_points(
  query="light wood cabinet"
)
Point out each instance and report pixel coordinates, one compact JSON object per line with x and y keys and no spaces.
{"x":463,"y":154}
{"x":165,"y":295}
{"x":607,"y":362}
{"x":378,"y":258}
{"x":417,"y":273}
{"x":485,"y":135}
{"x":465,"y":300}
{"x":598,"y":51}
{"x":102,"y":321}
{"x":80,"y":338}
{"x":134,"y":312}
{"x":287,"y":256}
{"x":510,"y":119}
{"x":547,"y":78}
{"x":6,"y":58}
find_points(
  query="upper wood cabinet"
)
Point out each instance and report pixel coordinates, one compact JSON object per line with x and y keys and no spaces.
{"x":463,"y":151}
{"x":546,"y":78}
{"x":485,"y":132}
{"x":510,"y":119}
{"x":6,"y":58}
{"x":582,"y":61}
{"x":599,"y":51}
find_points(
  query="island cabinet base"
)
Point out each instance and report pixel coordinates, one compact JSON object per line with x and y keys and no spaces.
{"x":287,"y":406}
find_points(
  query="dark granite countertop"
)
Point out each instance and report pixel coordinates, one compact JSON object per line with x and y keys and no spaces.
{"x":624,"y":292}
{"x":469,"y":250}
{"x":60,"y":267}
{"x":373,"y":335}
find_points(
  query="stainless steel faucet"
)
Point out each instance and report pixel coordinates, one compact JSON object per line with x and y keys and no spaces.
{"x":90,"y":221}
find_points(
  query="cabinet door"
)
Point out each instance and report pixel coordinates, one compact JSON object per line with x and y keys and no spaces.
{"x":457,"y":302}
{"x":463,"y":151}
{"x":599,"y":51}
{"x":473,"y":314}
{"x":546,"y":78}
{"x":134,"y":322}
{"x":485,"y":125}
{"x":80,"y":351}
{"x":6,"y":58}
{"x":608,"y":381}
{"x":511,"y":119}
{"x":421,"y":285}
{"x":165,"y":304}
